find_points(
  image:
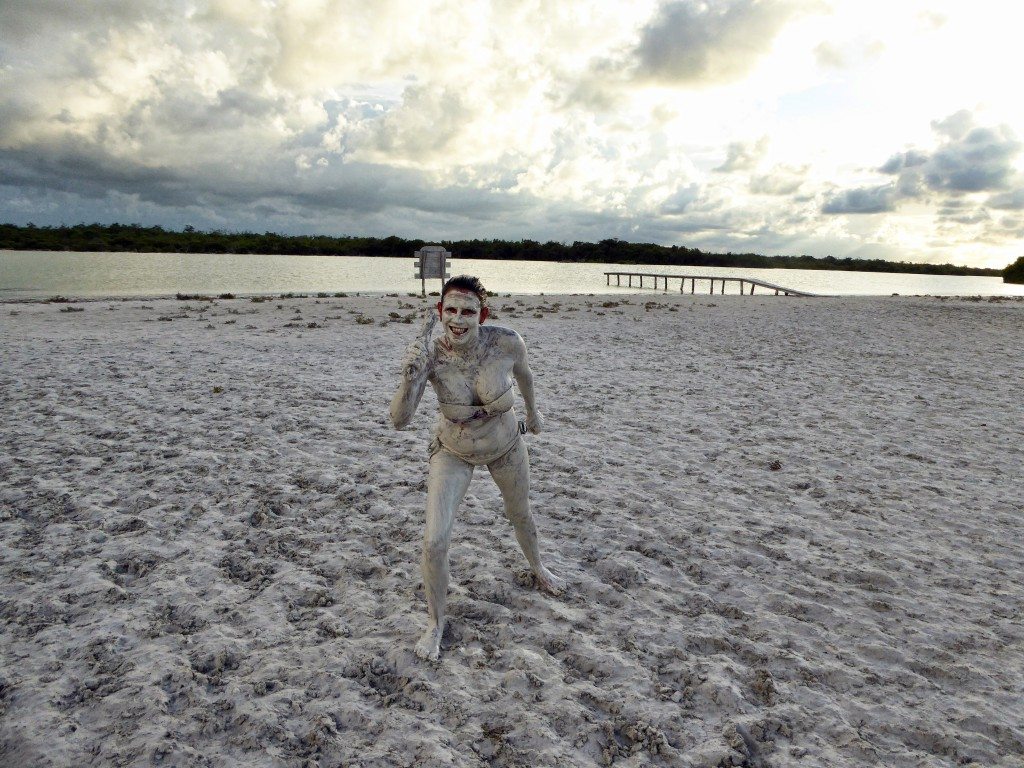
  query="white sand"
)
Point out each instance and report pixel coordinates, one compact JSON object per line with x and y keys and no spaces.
{"x":198,"y":577}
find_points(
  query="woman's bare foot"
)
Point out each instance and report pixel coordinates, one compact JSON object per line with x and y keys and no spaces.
{"x":428,"y":647}
{"x":548,"y":582}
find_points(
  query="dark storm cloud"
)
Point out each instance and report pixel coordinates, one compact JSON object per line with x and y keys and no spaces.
{"x":879,"y":199}
{"x":1008,"y":201}
{"x":77,"y":167}
{"x":27,"y":19}
{"x":981,"y":160}
{"x":86,"y":170}
{"x":692,"y":42}
{"x":902,"y":160}
{"x":969,"y":159}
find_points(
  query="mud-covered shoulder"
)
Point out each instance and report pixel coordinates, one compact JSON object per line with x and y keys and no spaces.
{"x":499,"y":335}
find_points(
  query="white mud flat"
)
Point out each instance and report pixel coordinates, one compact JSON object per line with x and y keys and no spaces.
{"x":790,"y":531}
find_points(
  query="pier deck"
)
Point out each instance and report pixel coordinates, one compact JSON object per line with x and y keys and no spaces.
{"x":743,"y":282}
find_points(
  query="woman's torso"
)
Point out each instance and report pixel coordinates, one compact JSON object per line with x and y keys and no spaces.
{"x":475,"y":396}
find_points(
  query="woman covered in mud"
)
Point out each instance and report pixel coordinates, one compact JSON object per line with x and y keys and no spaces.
{"x":471,"y":367}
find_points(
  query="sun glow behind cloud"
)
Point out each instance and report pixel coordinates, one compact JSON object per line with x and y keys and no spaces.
{"x":739,"y":125}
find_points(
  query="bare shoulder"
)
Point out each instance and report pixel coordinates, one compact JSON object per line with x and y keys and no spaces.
{"x":502,"y":337}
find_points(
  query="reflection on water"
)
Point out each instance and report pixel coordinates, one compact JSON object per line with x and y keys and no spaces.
{"x":39,"y":274}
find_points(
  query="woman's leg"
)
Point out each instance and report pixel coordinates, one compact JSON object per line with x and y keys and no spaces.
{"x":447,"y":483}
{"x":512,"y":474}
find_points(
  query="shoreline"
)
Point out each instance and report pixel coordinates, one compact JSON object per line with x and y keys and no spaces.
{"x":788,"y":528}
{"x":637,"y":295}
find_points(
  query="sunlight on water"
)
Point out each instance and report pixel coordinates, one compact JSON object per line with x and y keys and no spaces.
{"x":40,"y":274}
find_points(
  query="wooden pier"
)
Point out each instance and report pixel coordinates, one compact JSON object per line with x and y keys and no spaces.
{"x":694,"y":279}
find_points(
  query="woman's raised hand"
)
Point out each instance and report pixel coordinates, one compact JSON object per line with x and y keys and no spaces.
{"x":417,"y":354}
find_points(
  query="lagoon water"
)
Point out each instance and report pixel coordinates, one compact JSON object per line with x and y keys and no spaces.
{"x":41,"y":274}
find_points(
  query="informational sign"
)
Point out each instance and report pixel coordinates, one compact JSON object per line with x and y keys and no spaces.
{"x":432,"y":263}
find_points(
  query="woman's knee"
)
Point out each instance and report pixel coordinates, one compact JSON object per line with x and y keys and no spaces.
{"x":518,"y":512}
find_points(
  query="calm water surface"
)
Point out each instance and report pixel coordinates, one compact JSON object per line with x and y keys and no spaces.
{"x":41,"y":274}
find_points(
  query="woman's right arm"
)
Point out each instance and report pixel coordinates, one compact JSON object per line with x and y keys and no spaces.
{"x":407,"y":396}
{"x":415,"y":372}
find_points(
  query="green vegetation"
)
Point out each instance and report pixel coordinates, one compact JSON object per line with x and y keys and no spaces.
{"x":1015,"y":272}
{"x":136,"y":238}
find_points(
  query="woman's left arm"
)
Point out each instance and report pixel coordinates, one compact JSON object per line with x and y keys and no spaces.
{"x":524,"y":378}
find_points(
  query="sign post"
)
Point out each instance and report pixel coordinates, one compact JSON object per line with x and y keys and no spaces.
{"x":432,"y":262}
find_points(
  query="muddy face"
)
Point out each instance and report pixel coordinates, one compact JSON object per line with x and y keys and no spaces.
{"x":461,"y":315}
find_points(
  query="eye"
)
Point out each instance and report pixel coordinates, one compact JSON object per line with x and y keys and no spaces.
{"x":468,"y":312}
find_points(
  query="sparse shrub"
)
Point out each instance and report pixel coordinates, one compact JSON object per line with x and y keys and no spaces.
{"x":226,"y":296}
{"x":364,"y":320}
{"x":57,"y":300}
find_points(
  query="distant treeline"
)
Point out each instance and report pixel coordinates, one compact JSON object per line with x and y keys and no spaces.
{"x":136,"y":238}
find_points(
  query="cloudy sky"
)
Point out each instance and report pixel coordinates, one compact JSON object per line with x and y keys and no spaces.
{"x":861,"y":128}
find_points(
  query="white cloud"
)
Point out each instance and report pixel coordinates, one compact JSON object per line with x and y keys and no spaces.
{"x":736,"y":124}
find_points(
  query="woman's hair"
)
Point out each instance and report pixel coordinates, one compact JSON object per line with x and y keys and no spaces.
{"x":466,"y":283}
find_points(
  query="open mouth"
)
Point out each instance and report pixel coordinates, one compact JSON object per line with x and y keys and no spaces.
{"x":457,"y":332}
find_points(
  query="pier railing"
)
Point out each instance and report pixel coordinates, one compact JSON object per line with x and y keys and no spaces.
{"x":694,"y":279}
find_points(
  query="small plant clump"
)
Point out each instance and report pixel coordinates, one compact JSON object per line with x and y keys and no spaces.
{"x":226,"y":296}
